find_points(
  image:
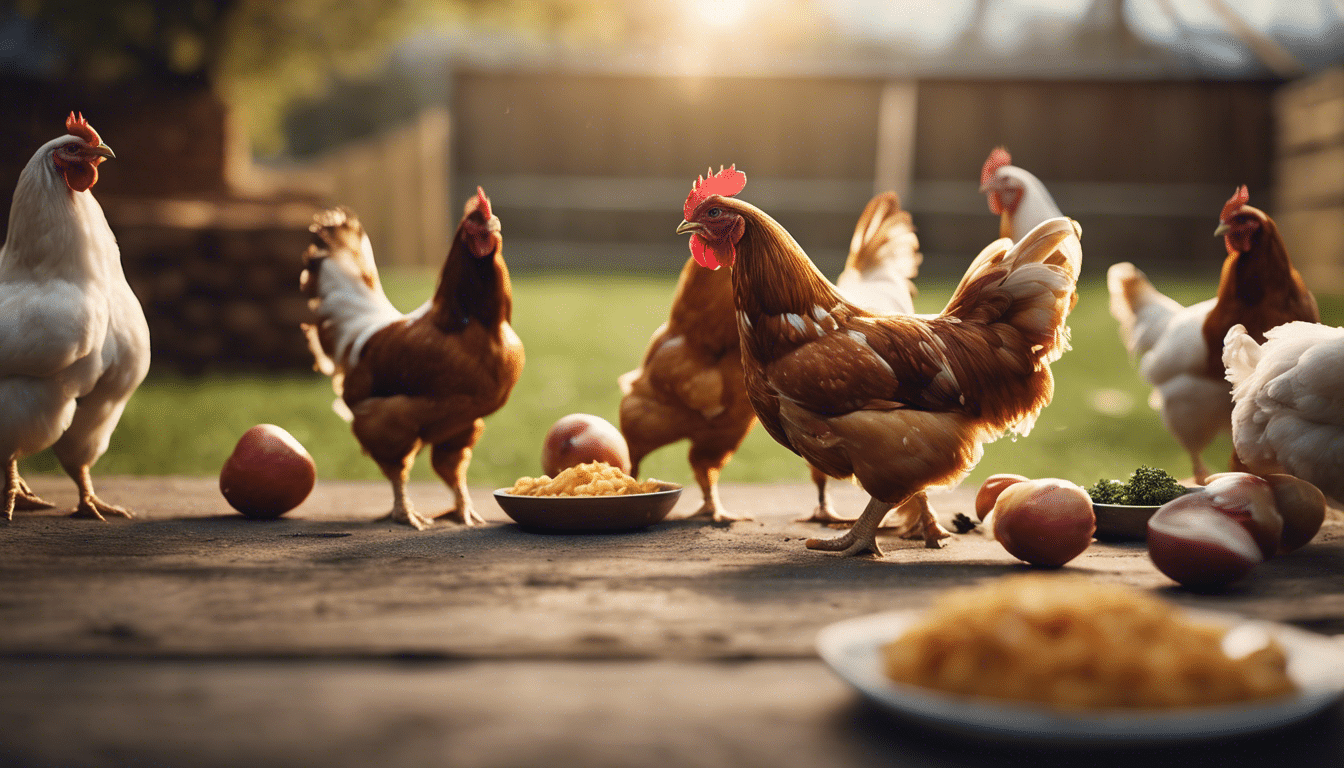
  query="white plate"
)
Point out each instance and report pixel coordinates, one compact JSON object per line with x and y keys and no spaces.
{"x":1315,"y":663}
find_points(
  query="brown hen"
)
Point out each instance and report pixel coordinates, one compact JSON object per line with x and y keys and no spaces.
{"x":426,"y":378}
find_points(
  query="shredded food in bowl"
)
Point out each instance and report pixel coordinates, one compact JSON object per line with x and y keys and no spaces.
{"x":1073,"y":644}
{"x":593,"y":479}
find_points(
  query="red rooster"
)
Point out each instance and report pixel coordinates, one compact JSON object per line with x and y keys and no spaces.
{"x":900,"y":403}
{"x":1180,"y":349}
{"x":690,"y":384}
{"x":424,"y":378}
{"x":74,"y":344}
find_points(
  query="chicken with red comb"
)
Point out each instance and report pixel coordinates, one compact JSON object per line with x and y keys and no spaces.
{"x":74,"y":344}
{"x":727,"y":182}
{"x":423,"y":379}
{"x":1015,"y":195}
{"x":900,"y":403}
{"x":1179,"y":349}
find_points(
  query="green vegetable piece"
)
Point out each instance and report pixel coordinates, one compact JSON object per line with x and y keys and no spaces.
{"x":1149,"y":487}
{"x":1106,"y":492}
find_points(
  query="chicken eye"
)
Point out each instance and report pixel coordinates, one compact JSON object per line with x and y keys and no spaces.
{"x":715,"y":212}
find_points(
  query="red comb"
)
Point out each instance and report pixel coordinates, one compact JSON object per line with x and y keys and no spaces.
{"x":998,"y":158}
{"x":726,"y":182}
{"x":78,"y":126}
{"x":482,"y":203}
{"x":1234,"y":203}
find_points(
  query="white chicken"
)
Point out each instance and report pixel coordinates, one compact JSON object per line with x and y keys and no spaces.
{"x":1180,"y":349}
{"x":1288,"y":402}
{"x":1015,"y":195}
{"x":74,"y":344}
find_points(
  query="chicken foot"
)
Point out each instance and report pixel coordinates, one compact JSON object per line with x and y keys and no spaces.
{"x":707,"y":476}
{"x":90,"y":506}
{"x":824,"y":513}
{"x":914,"y":519}
{"x":862,"y":537}
{"x":402,"y":510}
{"x":450,"y":460}
{"x":17,"y":493}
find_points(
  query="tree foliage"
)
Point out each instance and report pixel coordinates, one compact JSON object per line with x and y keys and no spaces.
{"x":262,"y":54}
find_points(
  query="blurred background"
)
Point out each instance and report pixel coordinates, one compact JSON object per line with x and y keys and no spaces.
{"x":586,"y":121}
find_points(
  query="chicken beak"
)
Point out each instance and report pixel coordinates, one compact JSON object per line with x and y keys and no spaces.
{"x":103,"y":151}
{"x":688,"y":226}
{"x":1222,"y":229}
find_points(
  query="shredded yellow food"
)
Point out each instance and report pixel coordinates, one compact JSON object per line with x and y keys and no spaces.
{"x":593,"y":479}
{"x":1074,"y":644}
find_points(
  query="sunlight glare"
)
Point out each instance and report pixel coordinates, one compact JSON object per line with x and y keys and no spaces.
{"x":721,"y":14}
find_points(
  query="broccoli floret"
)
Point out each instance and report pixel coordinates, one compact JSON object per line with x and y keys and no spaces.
{"x":1151,"y":487}
{"x":1106,"y":492}
{"x":1147,"y":487}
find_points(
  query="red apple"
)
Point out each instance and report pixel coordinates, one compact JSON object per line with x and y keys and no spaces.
{"x":268,"y":473}
{"x":1044,"y":522}
{"x":1199,"y":546}
{"x":580,"y":438}
{"x":989,"y":492}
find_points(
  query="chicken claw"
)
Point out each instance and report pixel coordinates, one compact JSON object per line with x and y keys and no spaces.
{"x":715,"y":514}
{"x":93,"y":508}
{"x":463,"y":515}
{"x":824,"y":513}
{"x":914,"y":519}
{"x":862,"y":537}
{"x":90,"y":506}
{"x":403,"y":513}
{"x":25,"y":499}
{"x":712,"y":509}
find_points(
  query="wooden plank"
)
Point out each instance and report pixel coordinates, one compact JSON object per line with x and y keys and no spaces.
{"x":1310,"y":180}
{"x":191,"y":579}
{"x":1306,"y":125}
{"x":752,"y":714}
{"x":1315,"y":241}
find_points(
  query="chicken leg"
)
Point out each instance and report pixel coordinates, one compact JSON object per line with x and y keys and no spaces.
{"x":450,"y":459}
{"x":707,"y":462}
{"x":402,"y":510}
{"x":90,"y":506}
{"x":824,"y":513}
{"x":17,"y":493}
{"x":862,"y":537}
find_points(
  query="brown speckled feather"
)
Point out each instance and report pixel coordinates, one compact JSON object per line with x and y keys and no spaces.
{"x":901,"y":402}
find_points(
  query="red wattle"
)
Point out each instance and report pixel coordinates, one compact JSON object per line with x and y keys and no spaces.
{"x":703,"y":254}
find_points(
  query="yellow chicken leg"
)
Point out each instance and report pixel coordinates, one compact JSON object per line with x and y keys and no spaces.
{"x":862,"y":537}
{"x":707,"y":465}
{"x":450,"y":459}
{"x":90,"y":506}
{"x":402,"y":510}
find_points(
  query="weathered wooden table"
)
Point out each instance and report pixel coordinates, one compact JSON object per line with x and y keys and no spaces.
{"x":193,"y":636}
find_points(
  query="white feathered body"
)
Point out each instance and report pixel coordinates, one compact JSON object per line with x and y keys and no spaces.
{"x":74,"y":344}
{"x":1166,"y":340}
{"x":1288,"y":393}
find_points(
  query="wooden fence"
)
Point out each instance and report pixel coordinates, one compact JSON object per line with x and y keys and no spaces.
{"x":1310,"y":177}
{"x":397,"y":183}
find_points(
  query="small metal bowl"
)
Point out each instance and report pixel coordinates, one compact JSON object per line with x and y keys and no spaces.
{"x":1124,"y":522}
{"x":590,"y":514}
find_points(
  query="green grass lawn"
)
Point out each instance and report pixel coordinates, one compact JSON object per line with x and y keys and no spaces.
{"x":580,"y":333}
